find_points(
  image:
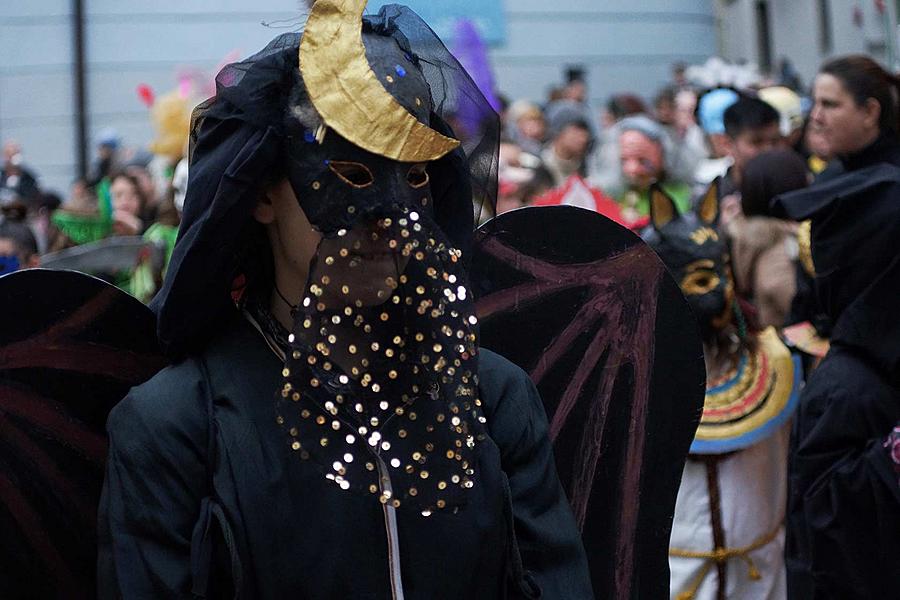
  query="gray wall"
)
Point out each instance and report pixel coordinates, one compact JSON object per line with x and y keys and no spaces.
{"x":623,"y":45}
{"x":795,"y":31}
{"x":36,"y":90}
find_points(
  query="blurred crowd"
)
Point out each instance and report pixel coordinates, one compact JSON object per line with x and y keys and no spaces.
{"x":119,"y":222}
{"x":754,"y":141}
{"x":683,"y":140}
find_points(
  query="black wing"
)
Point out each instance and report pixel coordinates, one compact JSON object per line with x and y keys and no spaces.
{"x":589,"y":311}
{"x":70,"y":347}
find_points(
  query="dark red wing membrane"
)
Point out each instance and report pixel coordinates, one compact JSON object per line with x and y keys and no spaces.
{"x":589,"y":311}
{"x":70,"y":348}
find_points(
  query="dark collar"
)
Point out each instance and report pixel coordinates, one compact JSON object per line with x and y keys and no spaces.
{"x":885,"y":148}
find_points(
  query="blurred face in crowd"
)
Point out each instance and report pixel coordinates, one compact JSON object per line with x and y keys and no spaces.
{"x":685,"y":105}
{"x":572,"y":142}
{"x":750,"y":143}
{"x":842,"y":125}
{"x":13,"y":257}
{"x":126,"y":205}
{"x":532,"y":127}
{"x":576,"y":91}
{"x":12,"y":154}
{"x":665,"y":111}
{"x":125,"y":196}
{"x":9,"y":256}
{"x":641,"y":159}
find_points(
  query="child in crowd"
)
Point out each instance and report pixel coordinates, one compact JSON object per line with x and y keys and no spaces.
{"x":18,"y":248}
{"x":751,"y":128}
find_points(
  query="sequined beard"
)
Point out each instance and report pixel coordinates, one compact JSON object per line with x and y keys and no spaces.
{"x":380,"y":386}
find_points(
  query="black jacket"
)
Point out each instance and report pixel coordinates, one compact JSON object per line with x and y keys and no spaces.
{"x":844,"y":494}
{"x":274,"y":527}
{"x":844,"y":513}
{"x":805,"y":307}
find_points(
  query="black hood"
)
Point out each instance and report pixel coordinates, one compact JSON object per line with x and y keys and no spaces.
{"x":242,"y":138}
{"x":855,"y":228}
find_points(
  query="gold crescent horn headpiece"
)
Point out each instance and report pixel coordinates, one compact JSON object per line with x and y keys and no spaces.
{"x":349,"y":96}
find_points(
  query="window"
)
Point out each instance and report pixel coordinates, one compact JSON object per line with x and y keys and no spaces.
{"x":763,"y":39}
{"x":825,"y":39}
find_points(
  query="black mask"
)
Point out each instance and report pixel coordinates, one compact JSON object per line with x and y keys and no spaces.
{"x":695,"y":255}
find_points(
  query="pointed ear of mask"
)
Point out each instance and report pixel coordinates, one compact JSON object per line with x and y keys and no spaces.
{"x":708,"y":208}
{"x":662,"y":208}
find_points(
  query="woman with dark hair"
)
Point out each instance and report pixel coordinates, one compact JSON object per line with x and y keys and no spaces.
{"x":856,"y":121}
{"x":763,"y":248}
{"x":844,"y":489}
{"x":128,"y":202}
{"x":855,"y":115}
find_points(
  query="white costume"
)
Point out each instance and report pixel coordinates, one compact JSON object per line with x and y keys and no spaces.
{"x":753,"y":499}
{"x":728,"y":532}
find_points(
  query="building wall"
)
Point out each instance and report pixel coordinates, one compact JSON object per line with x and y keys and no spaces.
{"x":128,"y":43}
{"x":622,"y":44}
{"x":36,"y":84}
{"x":796,"y":31}
{"x":736,"y":30}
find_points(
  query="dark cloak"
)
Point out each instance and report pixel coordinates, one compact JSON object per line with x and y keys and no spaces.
{"x":844,"y":497}
{"x":273,"y":523}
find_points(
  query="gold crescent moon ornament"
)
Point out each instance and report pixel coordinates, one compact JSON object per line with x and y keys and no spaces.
{"x":348,"y":95}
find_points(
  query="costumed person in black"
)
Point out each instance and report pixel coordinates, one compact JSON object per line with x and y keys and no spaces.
{"x":844,"y":503}
{"x":855,"y":117}
{"x":728,"y":531}
{"x":329,"y":427}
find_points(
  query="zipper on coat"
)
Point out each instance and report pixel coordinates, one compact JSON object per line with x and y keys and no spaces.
{"x":390,"y":524}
